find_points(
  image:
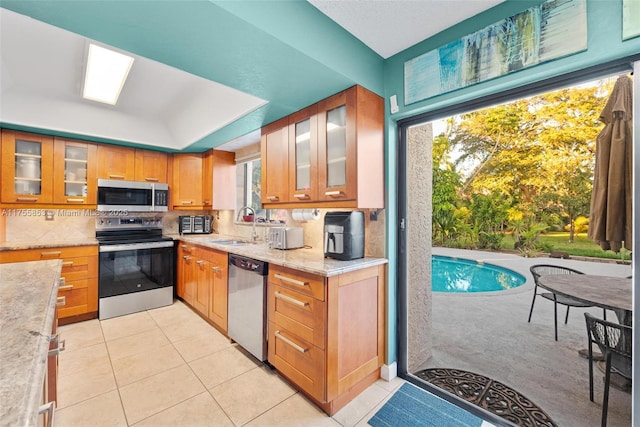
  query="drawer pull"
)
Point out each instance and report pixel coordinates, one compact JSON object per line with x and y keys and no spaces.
{"x":291,"y":300}
{"x":61,"y":301}
{"x":27,"y":199}
{"x":291,"y":343}
{"x":75,"y":200}
{"x":61,"y":282}
{"x":186,"y":248}
{"x":273,"y":198}
{"x":207,"y":202}
{"x":151,"y":179}
{"x":301,"y":196}
{"x":116,"y":176}
{"x":49,"y":409}
{"x":290,"y":280}
{"x":186,"y":202}
{"x":336,"y":193}
{"x":51,"y":253}
{"x":186,"y":257}
{"x":216,"y":269}
{"x":65,"y":287}
{"x":199,"y":262}
{"x":67,"y":263}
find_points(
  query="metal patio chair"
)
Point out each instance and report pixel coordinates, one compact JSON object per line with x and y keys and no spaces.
{"x":615,"y":343}
{"x":547,"y":269}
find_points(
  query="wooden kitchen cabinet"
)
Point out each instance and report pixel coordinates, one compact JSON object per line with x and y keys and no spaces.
{"x":27,"y":168}
{"x":187,"y":181}
{"x":345,"y":162}
{"x":218,"y":178}
{"x":303,"y":155}
{"x":219,"y":288}
{"x":116,"y":162}
{"x":187,"y":275}
{"x":203,"y":282}
{"x":78,"y":284}
{"x":74,"y":172}
{"x":274,"y":151}
{"x":326,"y":334}
{"x":150,"y":166}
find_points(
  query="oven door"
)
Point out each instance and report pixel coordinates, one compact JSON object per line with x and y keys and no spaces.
{"x":135,"y":277}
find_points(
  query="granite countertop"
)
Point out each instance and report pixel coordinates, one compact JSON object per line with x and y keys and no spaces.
{"x":309,"y":260}
{"x":28,"y":297}
{"x":14,"y":246}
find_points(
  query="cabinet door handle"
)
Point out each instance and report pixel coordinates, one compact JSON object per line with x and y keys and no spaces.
{"x":61,"y":301}
{"x":336,"y":193}
{"x":151,"y":179}
{"x":116,"y":176}
{"x":51,"y":253}
{"x":290,"y":280}
{"x":186,"y":257}
{"x":67,"y":263}
{"x":186,"y":202}
{"x":199,"y":262}
{"x":291,"y":343}
{"x":291,"y":300}
{"x":65,"y":287}
{"x":27,"y":199}
{"x":273,"y":198}
{"x":301,"y":196}
{"x":75,"y":200}
{"x":207,"y":202}
{"x":48,"y":408}
{"x":216,"y":269}
{"x":186,"y":248}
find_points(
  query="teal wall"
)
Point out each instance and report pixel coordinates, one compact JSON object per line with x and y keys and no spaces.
{"x":604,"y":29}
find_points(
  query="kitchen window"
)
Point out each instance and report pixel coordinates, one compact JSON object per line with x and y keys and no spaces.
{"x":248,"y":192}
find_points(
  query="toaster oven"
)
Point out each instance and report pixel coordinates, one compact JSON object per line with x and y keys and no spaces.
{"x":195,"y":224}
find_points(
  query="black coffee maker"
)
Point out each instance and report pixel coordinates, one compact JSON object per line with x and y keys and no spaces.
{"x":344,"y":235}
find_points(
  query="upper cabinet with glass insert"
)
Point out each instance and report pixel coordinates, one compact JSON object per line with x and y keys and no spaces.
{"x":303,"y":155}
{"x":27,"y":162}
{"x":336,"y":154}
{"x":74,"y":172}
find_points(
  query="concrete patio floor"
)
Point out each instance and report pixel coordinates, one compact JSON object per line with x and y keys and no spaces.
{"x":488,"y":334}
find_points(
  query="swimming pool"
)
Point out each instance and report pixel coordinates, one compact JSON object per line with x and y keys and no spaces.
{"x":463,"y":275}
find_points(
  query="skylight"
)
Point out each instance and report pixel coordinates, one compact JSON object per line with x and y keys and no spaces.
{"x":105,"y":75}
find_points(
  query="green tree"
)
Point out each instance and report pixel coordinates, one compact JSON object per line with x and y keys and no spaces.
{"x":445,"y":198}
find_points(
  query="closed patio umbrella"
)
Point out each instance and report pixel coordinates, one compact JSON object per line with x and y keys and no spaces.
{"x":610,"y":214}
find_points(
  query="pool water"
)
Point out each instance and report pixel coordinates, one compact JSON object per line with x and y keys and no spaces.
{"x":462,"y":275}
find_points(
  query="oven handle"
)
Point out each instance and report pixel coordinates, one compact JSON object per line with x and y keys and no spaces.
{"x":134,"y":246}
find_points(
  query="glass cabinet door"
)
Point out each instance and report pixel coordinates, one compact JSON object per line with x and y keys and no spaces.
{"x":74,"y":171}
{"x":303,"y":148}
{"x":337,"y":147}
{"x":27,"y":164}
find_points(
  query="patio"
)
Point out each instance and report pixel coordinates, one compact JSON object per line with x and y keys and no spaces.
{"x":490,"y":336}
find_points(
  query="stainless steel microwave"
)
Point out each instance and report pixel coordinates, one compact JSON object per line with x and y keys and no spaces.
{"x":132,"y":196}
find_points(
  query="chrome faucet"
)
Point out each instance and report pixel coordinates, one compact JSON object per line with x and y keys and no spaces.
{"x":254,"y":235}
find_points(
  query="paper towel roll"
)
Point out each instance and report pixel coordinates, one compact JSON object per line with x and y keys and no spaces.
{"x":305,"y":214}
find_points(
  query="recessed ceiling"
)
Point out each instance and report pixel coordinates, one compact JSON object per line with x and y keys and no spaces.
{"x":206,"y":72}
{"x":42,"y":73}
{"x":391,"y":26}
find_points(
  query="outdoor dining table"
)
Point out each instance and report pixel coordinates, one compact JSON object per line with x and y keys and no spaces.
{"x":611,"y":293}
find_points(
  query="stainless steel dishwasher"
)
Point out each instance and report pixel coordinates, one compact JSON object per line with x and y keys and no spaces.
{"x":248,"y":304}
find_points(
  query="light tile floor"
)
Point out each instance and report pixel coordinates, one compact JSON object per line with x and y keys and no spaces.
{"x":168,"y":367}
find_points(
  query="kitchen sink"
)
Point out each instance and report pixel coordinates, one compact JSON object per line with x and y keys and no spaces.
{"x":229,"y":242}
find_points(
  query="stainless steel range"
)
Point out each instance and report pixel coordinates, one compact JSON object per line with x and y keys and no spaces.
{"x":136,"y":265}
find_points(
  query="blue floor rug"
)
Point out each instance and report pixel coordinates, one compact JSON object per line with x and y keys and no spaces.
{"x":411,"y":406}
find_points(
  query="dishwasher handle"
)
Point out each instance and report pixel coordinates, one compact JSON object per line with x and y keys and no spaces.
{"x":259,"y":267}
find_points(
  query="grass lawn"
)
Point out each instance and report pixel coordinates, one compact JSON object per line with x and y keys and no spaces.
{"x":581,"y":246}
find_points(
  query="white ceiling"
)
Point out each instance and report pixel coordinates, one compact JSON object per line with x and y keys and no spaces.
{"x":391,"y":26}
{"x":41,"y":73}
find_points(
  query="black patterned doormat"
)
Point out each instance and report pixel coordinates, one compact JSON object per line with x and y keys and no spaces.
{"x":488,"y":394}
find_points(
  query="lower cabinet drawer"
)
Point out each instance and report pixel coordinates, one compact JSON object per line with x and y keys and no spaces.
{"x":80,"y":297}
{"x":298,"y":360}
{"x":79,"y":268}
{"x":298,"y":313}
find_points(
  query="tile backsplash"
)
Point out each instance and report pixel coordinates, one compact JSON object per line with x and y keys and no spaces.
{"x":79,"y":224}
